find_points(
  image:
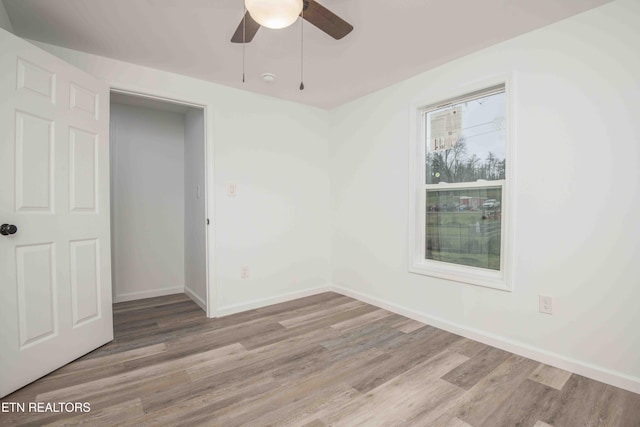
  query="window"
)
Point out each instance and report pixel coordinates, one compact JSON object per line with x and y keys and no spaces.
{"x":459,"y":199}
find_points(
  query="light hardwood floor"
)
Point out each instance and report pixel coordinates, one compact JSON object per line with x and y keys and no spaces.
{"x":325,"y":360}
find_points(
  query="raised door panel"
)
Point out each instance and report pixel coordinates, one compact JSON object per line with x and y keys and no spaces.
{"x":83,"y":173}
{"x":36,"y":285}
{"x":34,"y":164}
{"x":36,"y":79}
{"x":85,"y":281}
{"x":83,"y":100}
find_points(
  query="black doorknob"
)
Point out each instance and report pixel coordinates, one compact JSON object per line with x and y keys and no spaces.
{"x":8,"y":229}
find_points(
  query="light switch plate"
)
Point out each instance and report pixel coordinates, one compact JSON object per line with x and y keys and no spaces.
{"x":232,"y":189}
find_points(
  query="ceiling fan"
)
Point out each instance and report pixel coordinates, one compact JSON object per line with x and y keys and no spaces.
{"x":312,"y":11}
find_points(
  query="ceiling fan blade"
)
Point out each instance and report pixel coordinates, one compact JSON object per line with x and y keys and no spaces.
{"x":326,"y":20}
{"x":251,"y":29}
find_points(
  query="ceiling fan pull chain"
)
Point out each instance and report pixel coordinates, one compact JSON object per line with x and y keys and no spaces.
{"x":244,"y":35}
{"x":302,"y":51}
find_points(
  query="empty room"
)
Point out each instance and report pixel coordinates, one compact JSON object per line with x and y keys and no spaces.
{"x":320,"y":213}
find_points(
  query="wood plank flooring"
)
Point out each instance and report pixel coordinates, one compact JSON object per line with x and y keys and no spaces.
{"x":325,"y":360}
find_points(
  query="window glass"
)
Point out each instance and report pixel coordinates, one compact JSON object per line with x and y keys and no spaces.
{"x":465,"y":141}
{"x":464,"y":226}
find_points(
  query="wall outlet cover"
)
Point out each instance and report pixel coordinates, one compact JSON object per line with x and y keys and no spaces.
{"x":545,"y":304}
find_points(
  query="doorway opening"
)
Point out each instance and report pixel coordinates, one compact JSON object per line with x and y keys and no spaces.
{"x":158,"y":198}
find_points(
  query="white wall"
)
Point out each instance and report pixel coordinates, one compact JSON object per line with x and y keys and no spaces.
{"x":4,"y":19}
{"x":195,"y":228}
{"x":577,"y":104}
{"x":278,"y":222}
{"x":147,"y":211}
{"x":277,"y":153}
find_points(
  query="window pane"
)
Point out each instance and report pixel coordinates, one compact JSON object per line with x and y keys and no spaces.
{"x":466,"y":141}
{"x":464,"y":226}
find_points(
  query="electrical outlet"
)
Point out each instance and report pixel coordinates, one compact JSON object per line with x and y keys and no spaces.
{"x":546,"y":304}
{"x":244,"y":272}
{"x":232,"y":189}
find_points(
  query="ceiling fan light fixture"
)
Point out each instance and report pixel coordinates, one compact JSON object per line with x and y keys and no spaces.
{"x":274,"y":14}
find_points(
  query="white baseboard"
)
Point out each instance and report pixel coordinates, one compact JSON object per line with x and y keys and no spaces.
{"x":148,"y":294}
{"x":250,"y":305}
{"x":579,"y":367}
{"x":191,"y":294}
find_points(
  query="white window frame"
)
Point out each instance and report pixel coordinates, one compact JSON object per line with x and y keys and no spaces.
{"x":418,"y":264}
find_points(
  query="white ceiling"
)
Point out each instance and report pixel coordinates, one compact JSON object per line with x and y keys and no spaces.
{"x":391,"y":41}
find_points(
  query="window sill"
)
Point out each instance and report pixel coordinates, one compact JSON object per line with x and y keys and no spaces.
{"x":461,"y":274}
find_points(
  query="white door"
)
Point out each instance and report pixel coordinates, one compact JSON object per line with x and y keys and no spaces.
{"x":55,"y":273}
